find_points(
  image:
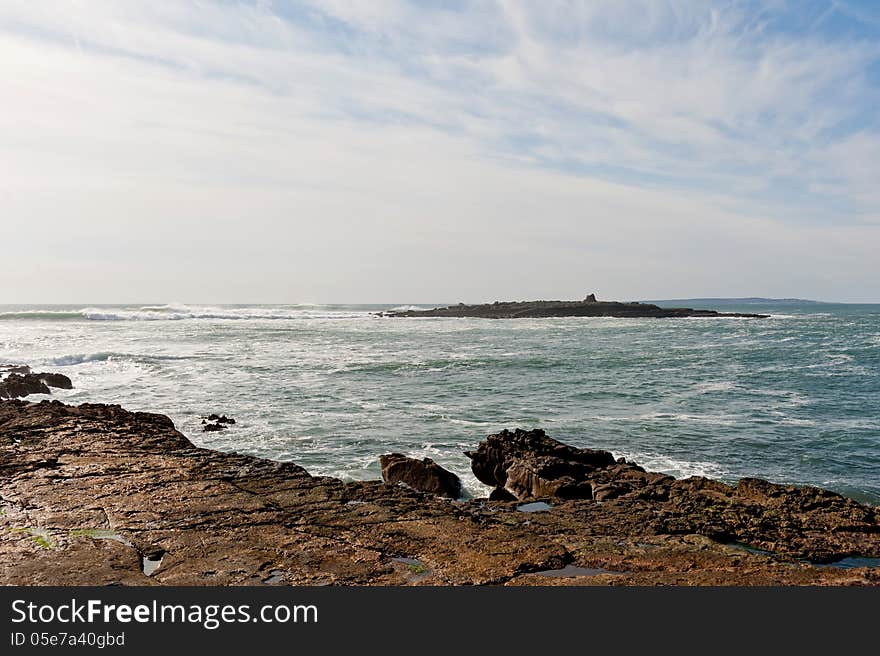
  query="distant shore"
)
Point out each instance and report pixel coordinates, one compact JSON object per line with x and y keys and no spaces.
{"x":589,"y":307}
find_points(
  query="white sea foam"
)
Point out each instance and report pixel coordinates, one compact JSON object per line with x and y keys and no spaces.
{"x":674,"y":466}
{"x":408,"y":308}
{"x":717,"y":420}
{"x":715,"y":386}
{"x":791,"y":421}
{"x":176,"y":312}
{"x":81,"y":358}
{"x":331,"y":395}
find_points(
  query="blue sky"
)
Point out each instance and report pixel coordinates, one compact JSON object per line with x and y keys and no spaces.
{"x":345,"y":151}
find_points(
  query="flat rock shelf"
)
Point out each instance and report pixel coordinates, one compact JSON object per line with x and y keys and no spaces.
{"x":97,"y":495}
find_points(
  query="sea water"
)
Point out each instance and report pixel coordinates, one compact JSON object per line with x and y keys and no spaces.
{"x":793,"y":398}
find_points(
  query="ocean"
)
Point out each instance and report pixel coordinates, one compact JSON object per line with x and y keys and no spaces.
{"x":794,"y":398}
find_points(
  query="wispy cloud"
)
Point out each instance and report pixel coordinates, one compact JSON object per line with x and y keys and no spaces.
{"x":643,"y":134}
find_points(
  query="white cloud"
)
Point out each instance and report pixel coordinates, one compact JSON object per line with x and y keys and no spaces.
{"x":385,"y":152}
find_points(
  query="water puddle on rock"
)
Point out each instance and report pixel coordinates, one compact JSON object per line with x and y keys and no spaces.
{"x":415,"y":566}
{"x":742,"y":546}
{"x":535,"y":506}
{"x":275,"y":576}
{"x":852,"y":562}
{"x":572,"y":571}
{"x":150,"y":564}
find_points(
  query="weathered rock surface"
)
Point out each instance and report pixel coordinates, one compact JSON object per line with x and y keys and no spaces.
{"x":88,"y":492}
{"x":422,"y":475}
{"x":589,"y":307}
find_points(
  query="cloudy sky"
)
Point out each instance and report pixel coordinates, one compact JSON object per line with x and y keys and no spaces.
{"x":387,"y":151}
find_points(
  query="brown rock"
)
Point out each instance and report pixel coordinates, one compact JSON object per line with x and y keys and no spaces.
{"x":529,"y":464}
{"x":88,"y":492}
{"x":422,"y":475}
{"x":606,"y":491}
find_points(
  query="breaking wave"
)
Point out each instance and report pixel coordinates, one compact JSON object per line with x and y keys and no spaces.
{"x":175,"y":312}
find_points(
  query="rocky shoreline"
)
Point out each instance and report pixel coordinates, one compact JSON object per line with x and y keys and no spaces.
{"x":589,"y":307}
{"x":97,"y":495}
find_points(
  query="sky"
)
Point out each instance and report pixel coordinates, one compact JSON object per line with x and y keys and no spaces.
{"x":389,"y":151}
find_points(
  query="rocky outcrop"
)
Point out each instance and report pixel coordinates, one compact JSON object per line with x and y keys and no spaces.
{"x":589,"y":307}
{"x":529,"y":464}
{"x":213,"y":423}
{"x":220,"y":419}
{"x":97,"y":495}
{"x":20,"y":382}
{"x":56,"y":380}
{"x":808,"y":521}
{"x":15,"y":386}
{"x":423,"y":475}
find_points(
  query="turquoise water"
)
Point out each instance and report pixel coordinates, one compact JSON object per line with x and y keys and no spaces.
{"x":792,"y":398}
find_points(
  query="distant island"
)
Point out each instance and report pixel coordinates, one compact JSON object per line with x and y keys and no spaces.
{"x":589,"y":307}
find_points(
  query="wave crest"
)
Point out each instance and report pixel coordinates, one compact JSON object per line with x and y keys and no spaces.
{"x":178,"y":312}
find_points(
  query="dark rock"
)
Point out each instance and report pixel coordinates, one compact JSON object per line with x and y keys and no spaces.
{"x":528,"y":464}
{"x":17,"y":385}
{"x":213,"y":428}
{"x":423,"y":475}
{"x":220,"y":419}
{"x":500,"y":494}
{"x":21,"y":382}
{"x":55,"y":380}
{"x":589,"y":307}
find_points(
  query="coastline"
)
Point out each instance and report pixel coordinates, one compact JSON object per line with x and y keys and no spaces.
{"x":588,"y":307}
{"x":97,"y":495}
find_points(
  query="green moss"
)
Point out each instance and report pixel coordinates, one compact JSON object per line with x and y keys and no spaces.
{"x":417,"y":569}
{"x":41,"y":536}
{"x":42,"y":542}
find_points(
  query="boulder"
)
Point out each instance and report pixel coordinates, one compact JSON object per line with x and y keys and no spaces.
{"x":528,"y":464}
{"x":17,"y":385}
{"x":423,"y":475}
{"x":220,"y":419}
{"x":55,"y":380}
